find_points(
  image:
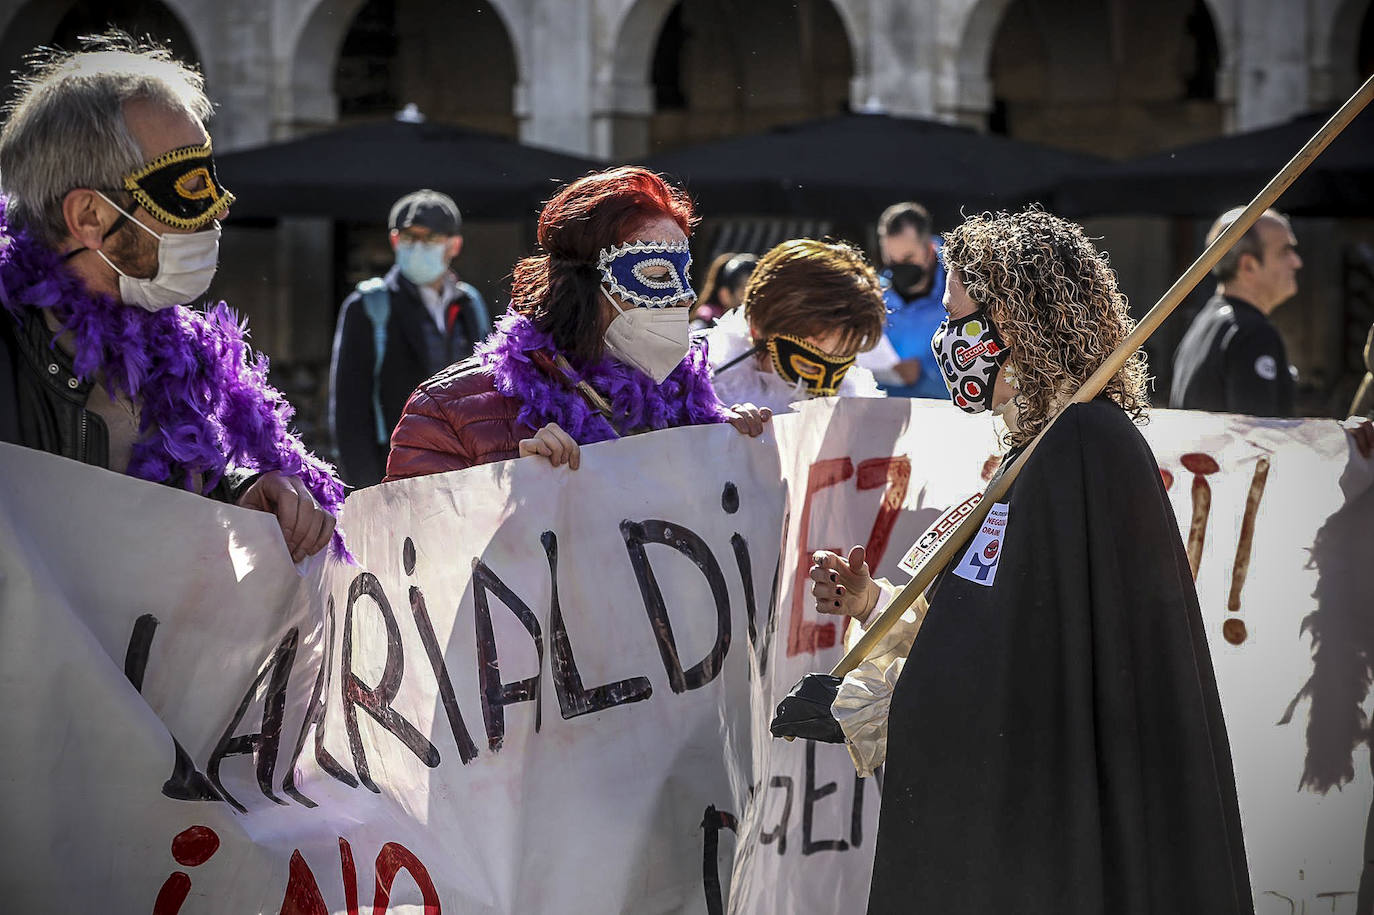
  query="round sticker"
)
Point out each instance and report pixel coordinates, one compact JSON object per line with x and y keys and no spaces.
{"x":1267,"y":368}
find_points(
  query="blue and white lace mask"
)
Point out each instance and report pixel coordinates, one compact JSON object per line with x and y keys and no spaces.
{"x":625,"y":272}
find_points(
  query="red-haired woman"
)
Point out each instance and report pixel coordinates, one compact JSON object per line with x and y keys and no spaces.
{"x":594,"y":346}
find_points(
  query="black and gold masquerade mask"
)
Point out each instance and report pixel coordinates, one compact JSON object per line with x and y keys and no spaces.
{"x":179,"y":187}
{"x":796,"y":360}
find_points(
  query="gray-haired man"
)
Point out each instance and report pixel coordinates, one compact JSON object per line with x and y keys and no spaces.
{"x":110,"y":228}
{"x":1232,"y":359}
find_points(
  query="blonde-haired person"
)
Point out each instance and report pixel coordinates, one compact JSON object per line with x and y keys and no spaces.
{"x":1051,"y":728}
{"x":809,"y":309}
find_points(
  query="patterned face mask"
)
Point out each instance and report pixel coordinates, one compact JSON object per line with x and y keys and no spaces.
{"x":180,"y":188}
{"x":796,"y":360}
{"x":969,"y":352}
{"x":635,"y":273}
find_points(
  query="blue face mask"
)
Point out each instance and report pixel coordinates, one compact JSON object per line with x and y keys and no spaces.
{"x":625,"y":272}
{"x":422,"y":262}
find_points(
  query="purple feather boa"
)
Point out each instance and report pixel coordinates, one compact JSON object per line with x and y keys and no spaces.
{"x":685,"y":398}
{"x":205,"y":400}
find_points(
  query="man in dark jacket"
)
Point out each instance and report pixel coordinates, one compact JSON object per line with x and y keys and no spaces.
{"x":1232,"y":360}
{"x":419,"y":317}
{"x":104,"y":247}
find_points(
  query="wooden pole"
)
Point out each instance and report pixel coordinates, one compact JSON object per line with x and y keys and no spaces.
{"x":934,"y":562}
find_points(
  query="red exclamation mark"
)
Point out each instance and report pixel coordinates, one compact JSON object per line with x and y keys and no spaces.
{"x":1233,"y":630}
{"x":1200,"y":465}
{"x":190,"y":848}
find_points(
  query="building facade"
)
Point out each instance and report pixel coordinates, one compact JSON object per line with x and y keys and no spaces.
{"x":618,"y":79}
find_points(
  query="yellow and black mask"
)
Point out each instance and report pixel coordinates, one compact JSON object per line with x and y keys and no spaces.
{"x":180,"y":189}
{"x":796,"y":360}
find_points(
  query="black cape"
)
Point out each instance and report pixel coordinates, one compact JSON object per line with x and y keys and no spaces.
{"x":1056,"y":742}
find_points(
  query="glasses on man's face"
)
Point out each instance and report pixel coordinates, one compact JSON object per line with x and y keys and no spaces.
{"x":420,"y":236}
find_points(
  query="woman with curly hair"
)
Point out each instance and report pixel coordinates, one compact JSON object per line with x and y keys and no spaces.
{"x":1052,"y":732}
{"x":595,"y":344}
{"x":809,"y":309}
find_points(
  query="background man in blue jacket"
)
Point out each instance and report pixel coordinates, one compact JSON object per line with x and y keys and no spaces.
{"x":913,"y":290}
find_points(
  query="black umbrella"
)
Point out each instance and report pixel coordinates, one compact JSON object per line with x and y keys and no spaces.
{"x":851,"y":166}
{"x":359,"y":172}
{"x":1203,"y":179}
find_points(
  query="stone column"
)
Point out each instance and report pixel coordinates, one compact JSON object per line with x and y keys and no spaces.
{"x":620,"y":119}
{"x":622,"y":39}
{"x":1271,"y":63}
{"x":965,"y":31}
{"x":239,"y":71}
{"x":894,"y":71}
{"x":1335,"y":39}
{"x":554,"y":103}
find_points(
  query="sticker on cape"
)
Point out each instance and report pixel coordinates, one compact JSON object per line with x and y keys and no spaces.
{"x":937,"y":533}
{"x":979,"y":564}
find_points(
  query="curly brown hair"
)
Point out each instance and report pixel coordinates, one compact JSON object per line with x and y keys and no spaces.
{"x":1053,"y":297}
{"x":810,"y":288}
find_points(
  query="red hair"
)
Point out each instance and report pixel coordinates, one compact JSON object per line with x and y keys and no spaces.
{"x":558,"y":287}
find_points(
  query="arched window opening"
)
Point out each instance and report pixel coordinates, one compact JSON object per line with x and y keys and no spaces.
{"x":721,"y":68}
{"x":1364,"y":56}
{"x":140,"y":18}
{"x":452,"y":60}
{"x":1114,"y":79}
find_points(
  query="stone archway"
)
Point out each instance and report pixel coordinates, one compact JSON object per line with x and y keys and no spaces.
{"x":43,"y":22}
{"x":27,"y":26}
{"x":311,"y":55}
{"x":1337,"y":44}
{"x":682,"y":71}
{"x":968,"y":51}
{"x":311,"y":95}
{"x":1113,"y":80}
{"x":967,"y":43}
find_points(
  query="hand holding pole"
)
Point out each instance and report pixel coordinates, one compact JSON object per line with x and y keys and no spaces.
{"x":934,"y":562}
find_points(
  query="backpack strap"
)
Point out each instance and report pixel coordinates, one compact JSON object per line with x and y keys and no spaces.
{"x":377,"y":304}
{"x":475,"y":314}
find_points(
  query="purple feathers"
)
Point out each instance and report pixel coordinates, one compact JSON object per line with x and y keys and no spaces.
{"x":206,"y":402}
{"x":685,"y":398}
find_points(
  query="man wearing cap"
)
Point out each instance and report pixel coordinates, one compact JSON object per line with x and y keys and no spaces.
{"x":395,"y":331}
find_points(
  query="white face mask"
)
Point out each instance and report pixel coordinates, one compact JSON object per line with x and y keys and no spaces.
{"x":185,"y":266}
{"x":653,"y":340}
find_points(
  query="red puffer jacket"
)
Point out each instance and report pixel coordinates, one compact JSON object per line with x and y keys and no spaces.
{"x":454,"y":420}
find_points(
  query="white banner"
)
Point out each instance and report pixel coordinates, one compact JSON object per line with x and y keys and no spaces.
{"x":547,"y":691}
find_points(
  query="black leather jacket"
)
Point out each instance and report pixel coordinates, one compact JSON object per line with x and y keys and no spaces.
{"x":43,"y":403}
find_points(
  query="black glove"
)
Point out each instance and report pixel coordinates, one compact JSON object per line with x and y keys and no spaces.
{"x":805,"y":711}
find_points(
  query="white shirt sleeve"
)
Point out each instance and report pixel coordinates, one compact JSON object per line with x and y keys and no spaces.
{"x":862,"y":703}
{"x":880,"y":360}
